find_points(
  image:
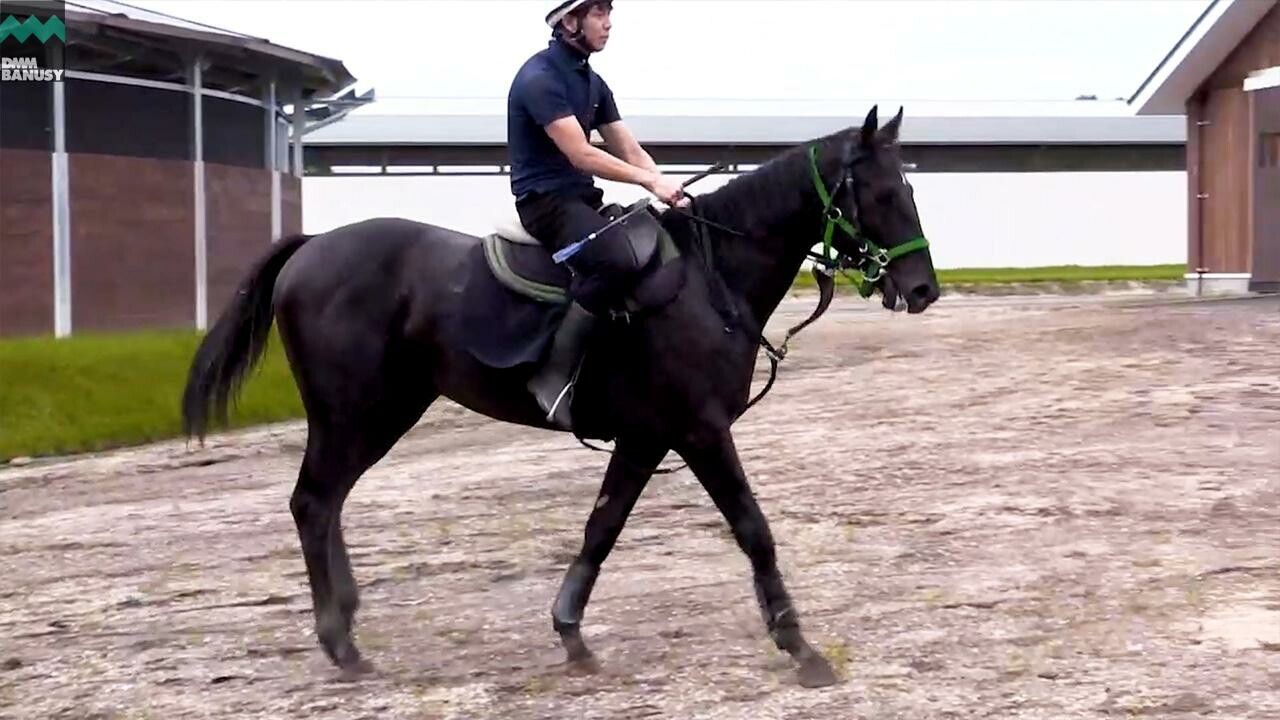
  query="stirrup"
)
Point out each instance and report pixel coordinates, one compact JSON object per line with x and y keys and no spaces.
{"x":564,"y":392}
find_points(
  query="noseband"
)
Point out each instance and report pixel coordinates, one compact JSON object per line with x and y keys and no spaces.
{"x":872,"y":261}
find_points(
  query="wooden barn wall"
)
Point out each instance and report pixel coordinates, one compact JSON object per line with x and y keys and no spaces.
{"x":132,"y":257}
{"x":1228,"y":149}
{"x":1225,"y":177}
{"x":26,"y":242}
{"x":1266,"y":199}
{"x":238,"y":212}
{"x":1260,"y":49}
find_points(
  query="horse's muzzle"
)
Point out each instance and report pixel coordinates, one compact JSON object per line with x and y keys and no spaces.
{"x":921,"y":297}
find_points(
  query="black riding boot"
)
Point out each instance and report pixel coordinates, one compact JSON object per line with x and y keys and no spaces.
{"x":551,"y":384}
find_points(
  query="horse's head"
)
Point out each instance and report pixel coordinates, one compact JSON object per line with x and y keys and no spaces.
{"x":889,"y":247}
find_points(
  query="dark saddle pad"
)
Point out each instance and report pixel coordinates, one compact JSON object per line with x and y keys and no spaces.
{"x":516,"y":294}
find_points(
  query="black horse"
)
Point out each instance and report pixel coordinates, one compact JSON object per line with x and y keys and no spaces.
{"x":367,"y":314}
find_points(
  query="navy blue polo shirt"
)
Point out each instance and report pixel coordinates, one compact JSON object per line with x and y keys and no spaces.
{"x":554,"y":83}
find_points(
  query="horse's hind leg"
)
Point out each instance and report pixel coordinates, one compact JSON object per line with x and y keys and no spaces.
{"x":337,"y":455}
{"x":355,"y":415}
{"x":326,"y":477}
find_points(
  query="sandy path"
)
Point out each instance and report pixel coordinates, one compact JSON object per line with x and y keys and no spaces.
{"x":1024,"y":508}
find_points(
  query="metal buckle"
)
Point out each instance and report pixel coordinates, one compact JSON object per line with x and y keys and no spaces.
{"x":880,"y":272}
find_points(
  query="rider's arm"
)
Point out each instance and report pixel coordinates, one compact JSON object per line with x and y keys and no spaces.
{"x":616,"y":133}
{"x":620,"y":139}
{"x":568,"y":136}
{"x":543,"y":96}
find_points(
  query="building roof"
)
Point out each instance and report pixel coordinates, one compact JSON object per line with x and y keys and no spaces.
{"x":1222,"y":26}
{"x":119,"y":8}
{"x":491,"y":129}
{"x":112,"y":37}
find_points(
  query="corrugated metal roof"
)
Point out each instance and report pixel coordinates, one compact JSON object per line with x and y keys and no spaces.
{"x":86,"y":19}
{"x":427,"y":130}
{"x":123,"y":9}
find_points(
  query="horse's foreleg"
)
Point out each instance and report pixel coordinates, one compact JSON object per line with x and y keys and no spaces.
{"x":718,"y":468}
{"x":629,"y":471}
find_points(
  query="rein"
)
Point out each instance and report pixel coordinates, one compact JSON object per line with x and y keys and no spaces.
{"x":871,"y":265}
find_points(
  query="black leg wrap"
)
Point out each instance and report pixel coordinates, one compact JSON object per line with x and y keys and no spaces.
{"x":780,"y":616}
{"x":575,"y":590}
{"x":775,"y":603}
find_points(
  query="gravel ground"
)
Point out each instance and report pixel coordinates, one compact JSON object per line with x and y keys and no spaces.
{"x":1021,"y":507}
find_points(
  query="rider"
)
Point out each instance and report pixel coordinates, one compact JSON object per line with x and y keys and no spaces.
{"x":555,"y":101}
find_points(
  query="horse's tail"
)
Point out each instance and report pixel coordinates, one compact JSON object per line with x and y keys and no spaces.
{"x":235,"y":343}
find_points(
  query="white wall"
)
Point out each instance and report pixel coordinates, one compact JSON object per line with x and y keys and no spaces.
{"x":971,"y":219}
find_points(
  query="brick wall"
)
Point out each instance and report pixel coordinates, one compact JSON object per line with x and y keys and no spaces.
{"x":291,"y":201}
{"x":26,"y":242}
{"x":132,"y":253}
{"x":238,"y":212}
{"x":132,"y":239}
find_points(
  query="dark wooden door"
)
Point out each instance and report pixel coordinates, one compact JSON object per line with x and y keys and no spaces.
{"x":1266,"y":192}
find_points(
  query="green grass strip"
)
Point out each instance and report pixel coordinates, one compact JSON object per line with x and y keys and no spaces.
{"x":94,"y":392}
{"x":1047,"y":274}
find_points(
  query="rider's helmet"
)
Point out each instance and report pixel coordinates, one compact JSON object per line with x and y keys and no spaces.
{"x":564,"y":8}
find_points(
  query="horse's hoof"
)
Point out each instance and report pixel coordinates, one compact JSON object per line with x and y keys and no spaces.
{"x":584,"y":665}
{"x":581,"y":660}
{"x":816,"y":672}
{"x":352,"y":671}
{"x":353,"y":668}
{"x":575,"y":647}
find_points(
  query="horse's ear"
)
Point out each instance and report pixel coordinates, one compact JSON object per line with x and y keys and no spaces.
{"x":890,"y":129}
{"x":869,"y":126}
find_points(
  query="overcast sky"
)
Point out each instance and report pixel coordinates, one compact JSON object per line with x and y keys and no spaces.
{"x":745,"y":51}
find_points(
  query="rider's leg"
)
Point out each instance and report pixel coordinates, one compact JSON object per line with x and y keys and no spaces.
{"x":551,"y":385}
{"x":601,"y":275}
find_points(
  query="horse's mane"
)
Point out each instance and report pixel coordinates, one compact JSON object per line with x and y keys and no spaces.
{"x":757,"y":200}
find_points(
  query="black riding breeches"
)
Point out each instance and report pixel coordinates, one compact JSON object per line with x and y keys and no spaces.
{"x":604,"y":270}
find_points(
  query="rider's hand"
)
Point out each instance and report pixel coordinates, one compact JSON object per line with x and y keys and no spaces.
{"x":666,"y":189}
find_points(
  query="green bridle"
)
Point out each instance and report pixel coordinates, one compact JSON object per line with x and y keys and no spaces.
{"x":871,"y":266}
{"x":874,"y":260}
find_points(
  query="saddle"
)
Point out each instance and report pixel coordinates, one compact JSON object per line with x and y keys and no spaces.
{"x":521,"y":264}
{"x":515,"y":293}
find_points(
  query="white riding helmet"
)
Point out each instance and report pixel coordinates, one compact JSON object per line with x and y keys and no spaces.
{"x":564,"y":8}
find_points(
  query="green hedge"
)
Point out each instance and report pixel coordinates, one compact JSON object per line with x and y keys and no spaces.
{"x":92,"y":392}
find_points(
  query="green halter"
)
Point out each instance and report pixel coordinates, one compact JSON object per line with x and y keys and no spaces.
{"x":874,"y":260}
